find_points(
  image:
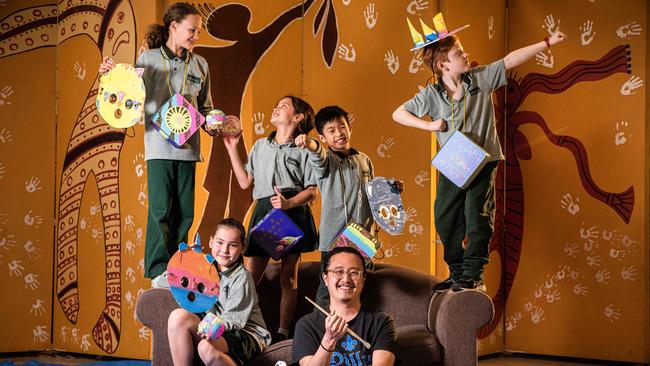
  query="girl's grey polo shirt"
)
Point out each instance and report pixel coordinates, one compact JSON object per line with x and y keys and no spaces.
{"x":282,"y":165}
{"x":480,"y":124}
{"x":196,"y":91}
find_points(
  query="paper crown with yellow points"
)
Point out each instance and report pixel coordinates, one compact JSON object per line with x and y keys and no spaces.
{"x":431,"y":35}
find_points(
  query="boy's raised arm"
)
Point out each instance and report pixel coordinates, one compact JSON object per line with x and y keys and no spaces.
{"x":521,"y":55}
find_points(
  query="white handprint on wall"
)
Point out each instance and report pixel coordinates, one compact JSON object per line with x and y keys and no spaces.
{"x":603,"y":276}
{"x":16,"y":268}
{"x":422,"y":177}
{"x":94,"y":208}
{"x":571,"y":249}
{"x":415,"y":229}
{"x":580,"y":290}
{"x":370,"y":15}
{"x":128,"y":223}
{"x":33,"y":252}
{"x":612,"y":312}
{"x":416,"y":64}
{"x":31,"y":281}
{"x":550,"y":25}
{"x":80,"y":70}
{"x":40,"y":333}
{"x":64,"y":333}
{"x":392,"y":61}
{"x":7,"y":241}
{"x":5,"y":136}
{"x":384,"y":146}
{"x":34,"y":220}
{"x":587,"y":33}
{"x":537,"y":315}
{"x":630,"y":85}
{"x":37,"y":308}
{"x":347,"y":53}
{"x":545,"y":60}
{"x":75,"y":335}
{"x":85,"y":343}
{"x":620,"y":137}
{"x":258,"y":123}
{"x":416,"y":6}
{"x":142,"y":195}
{"x":491,"y":31}
{"x":412,"y":248}
{"x":143,"y":333}
{"x":628,"y":30}
{"x":593,"y":260}
{"x":130,"y":248}
{"x":629,"y":273}
{"x":569,"y":204}
{"x":33,"y":184}
{"x":4,"y":95}
{"x":139,"y":164}
{"x":130,"y":274}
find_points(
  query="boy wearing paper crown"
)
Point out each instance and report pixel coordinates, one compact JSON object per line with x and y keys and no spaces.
{"x":460,"y":99}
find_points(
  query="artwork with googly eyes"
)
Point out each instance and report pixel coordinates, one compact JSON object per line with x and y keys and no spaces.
{"x":120,"y":99}
{"x":193,"y":278}
{"x":386,"y":204}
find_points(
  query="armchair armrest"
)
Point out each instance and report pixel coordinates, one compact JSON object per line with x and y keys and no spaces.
{"x":152,"y":310}
{"x":455,"y":318}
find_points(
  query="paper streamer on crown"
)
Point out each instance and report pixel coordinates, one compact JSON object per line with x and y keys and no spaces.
{"x":276,"y":233}
{"x":177,"y":120}
{"x":460,"y":159}
{"x":431,"y":35}
{"x":193,"y":278}
{"x":386,"y":205}
{"x":219,"y":124}
{"x":120,"y":98}
{"x":355,"y":236}
{"x":211,"y":327}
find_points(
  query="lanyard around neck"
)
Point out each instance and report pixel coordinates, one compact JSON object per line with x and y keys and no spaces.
{"x":165,"y":59}
{"x":453,"y":123}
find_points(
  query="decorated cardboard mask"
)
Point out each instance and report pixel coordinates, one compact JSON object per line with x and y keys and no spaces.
{"x":193,"y":278}
{"x":386,"y":205}
{"x":120,"y":98}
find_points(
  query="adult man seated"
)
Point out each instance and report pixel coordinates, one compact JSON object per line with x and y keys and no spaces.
{"x":321,"y":340}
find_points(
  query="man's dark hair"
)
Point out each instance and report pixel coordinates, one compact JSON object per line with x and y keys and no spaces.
{"x":331,"y":113}
{"x":339,"y":250}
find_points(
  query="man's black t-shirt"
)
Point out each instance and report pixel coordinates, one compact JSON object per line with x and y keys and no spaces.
{"x":376,"y":328}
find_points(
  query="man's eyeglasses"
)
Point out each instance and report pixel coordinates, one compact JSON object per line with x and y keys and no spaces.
{"x":339,"y":273}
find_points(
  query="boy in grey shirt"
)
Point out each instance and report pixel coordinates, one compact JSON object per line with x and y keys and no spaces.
{"x":342,"y":173}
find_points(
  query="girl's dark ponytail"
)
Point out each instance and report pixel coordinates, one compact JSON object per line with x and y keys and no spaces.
{"x":159,"y":33}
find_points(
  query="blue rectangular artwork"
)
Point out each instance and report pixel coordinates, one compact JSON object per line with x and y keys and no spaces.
{"x":276,"y":233}
{"x":460,"y":159}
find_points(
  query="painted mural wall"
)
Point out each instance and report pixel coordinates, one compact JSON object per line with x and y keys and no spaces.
{"x":572,"y":125}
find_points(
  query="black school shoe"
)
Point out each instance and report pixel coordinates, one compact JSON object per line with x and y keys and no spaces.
{"x":444,"y":285}
{"x":278,"y":337}
{"x":466,"y":283}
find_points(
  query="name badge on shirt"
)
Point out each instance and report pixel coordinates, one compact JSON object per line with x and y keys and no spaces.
{"x":194,"y":79}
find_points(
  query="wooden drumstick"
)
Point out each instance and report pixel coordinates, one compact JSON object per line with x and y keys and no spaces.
{"x":350,"y":331}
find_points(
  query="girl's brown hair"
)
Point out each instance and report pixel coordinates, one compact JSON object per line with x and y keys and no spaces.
{"x":438,"y":51}
{"x":159,"y":33}
{"x":232,"y":224}
{"x":301,"y":106}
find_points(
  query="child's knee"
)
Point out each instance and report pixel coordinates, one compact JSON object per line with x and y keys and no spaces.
{"x":210,"y":354}
{"x":178,"y":319}
{"x":288,"y":278}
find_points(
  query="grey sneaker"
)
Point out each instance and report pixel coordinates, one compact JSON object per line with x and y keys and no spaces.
{"x":160,"y":281}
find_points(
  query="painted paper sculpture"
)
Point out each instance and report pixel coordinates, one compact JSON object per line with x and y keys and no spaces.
{"x":354,"y":235}
{"x":431,"y":35}
{"x":211,"y":327}
{"x":193,"y":278}
{"x":460,"y":159}
{"x":386,"y":205}
{"x":218,"y":123}
{"x":177,"y":120}
{"x":120,"y":99}
{"x":276,"y":233}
